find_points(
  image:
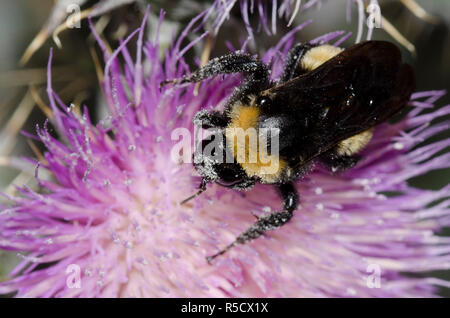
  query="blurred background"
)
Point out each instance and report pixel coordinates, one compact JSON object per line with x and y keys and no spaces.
{"x":422,"y":33}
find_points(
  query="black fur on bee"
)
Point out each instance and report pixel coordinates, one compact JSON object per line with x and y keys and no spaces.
{"x":325,"y":106}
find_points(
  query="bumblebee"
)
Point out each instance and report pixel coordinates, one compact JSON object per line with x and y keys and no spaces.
{"x":324,"y":106}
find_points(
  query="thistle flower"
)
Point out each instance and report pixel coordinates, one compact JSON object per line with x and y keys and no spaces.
{"x":112,"y":211}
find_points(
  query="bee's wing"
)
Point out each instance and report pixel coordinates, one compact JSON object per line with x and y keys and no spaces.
{"x":356,"y":90}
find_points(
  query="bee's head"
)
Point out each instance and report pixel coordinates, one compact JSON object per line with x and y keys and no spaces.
{"x":215,"y":163}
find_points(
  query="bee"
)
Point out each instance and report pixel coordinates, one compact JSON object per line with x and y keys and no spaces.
{"x":324,"y":106}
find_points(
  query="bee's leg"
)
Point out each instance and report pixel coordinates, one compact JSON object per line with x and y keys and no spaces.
{"x":256,"y":72}
{"x":210,"y":119}
{"x":291,"y":67}
{"x":266,"y":223}
{"x":336,"y":162}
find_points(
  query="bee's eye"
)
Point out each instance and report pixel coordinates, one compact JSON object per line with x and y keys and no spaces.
{"x":264,"y":102}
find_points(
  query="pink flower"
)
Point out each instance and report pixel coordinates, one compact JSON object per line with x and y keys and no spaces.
{"x":110,"y":222}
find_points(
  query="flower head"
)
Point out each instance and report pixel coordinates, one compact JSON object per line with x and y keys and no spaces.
{"x":112,"y":212}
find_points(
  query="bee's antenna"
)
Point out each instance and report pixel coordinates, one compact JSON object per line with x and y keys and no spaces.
{"x":200,"y":191}
{"x":196,"y":194}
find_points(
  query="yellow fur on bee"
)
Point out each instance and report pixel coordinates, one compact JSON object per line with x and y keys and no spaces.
{"x":242,"y":133}
{"x":244,"y":116}
{"x":318,"y":55}
{"x":353,"y":145}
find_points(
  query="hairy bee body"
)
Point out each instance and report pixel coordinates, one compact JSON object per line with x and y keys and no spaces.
{"x":249,"y":115}
{"x":323,"y":108}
